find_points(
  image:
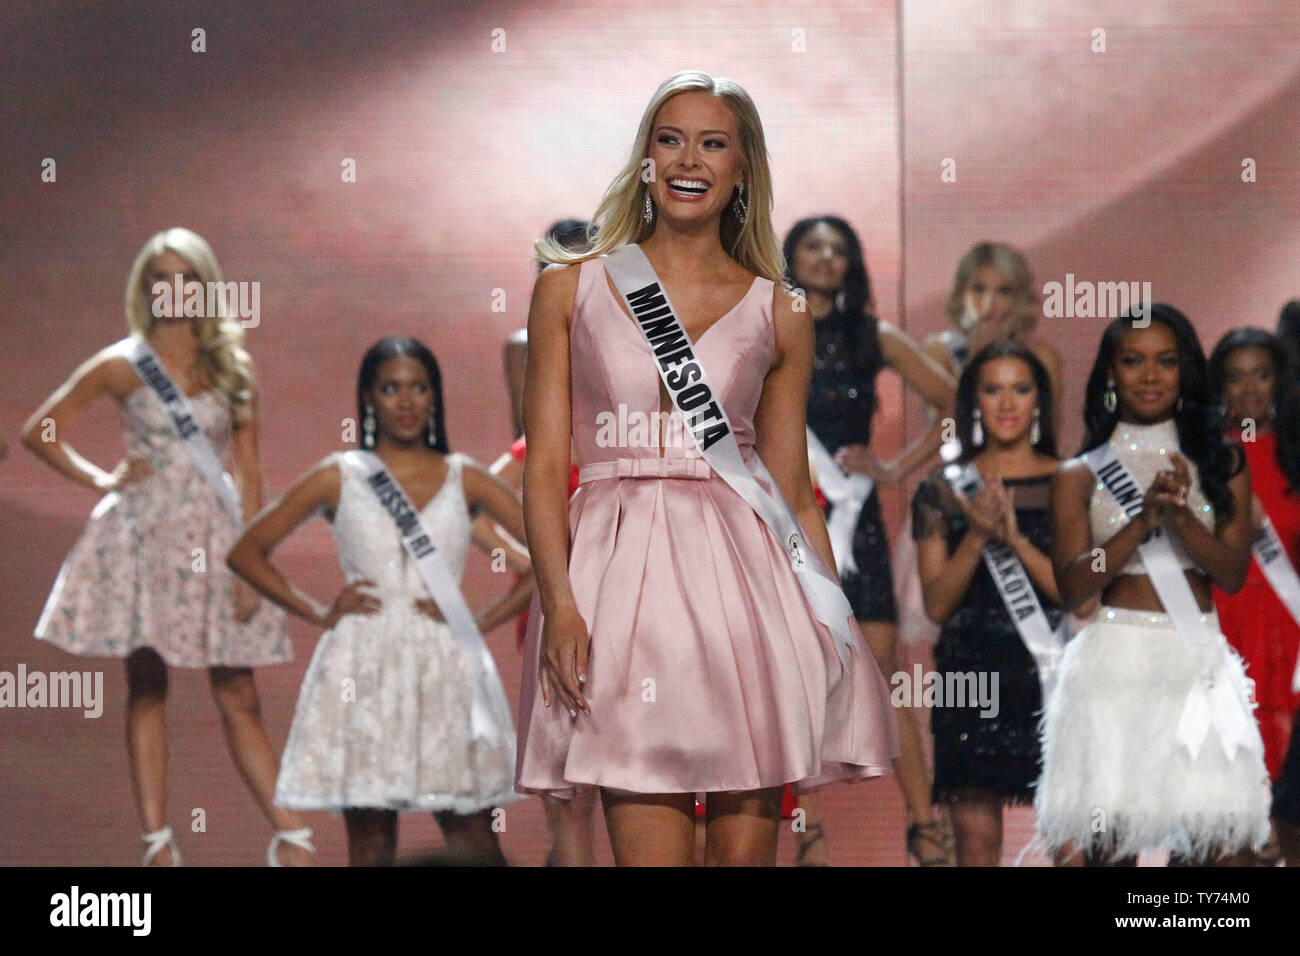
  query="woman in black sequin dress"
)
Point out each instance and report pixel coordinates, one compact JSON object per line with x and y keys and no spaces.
{"x":852,"y":346}
{"x":987,"y":754}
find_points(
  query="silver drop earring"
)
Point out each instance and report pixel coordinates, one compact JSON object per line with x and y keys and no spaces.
{"x":1109,"y":400}
{"x":368,"y":428}
{"x":648,"y":214}
{"x":977,"y":428}
{"x":739,"y":207}
{"x":1035,"y":431}
{"x":433,"y":431}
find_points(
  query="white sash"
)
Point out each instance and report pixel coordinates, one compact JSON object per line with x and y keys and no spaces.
{"x":181,"y":414}
{"x":1017,"y":590}
{"x":1215,"y":699}
{"x":847,"y":493}
{"x":706,"y":421}
{"x":1281,"y":576}
{"x":490,"y":714}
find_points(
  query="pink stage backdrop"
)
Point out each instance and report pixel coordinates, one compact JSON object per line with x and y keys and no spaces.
{"x":1107,"y":141}
{"x":471,"y":126}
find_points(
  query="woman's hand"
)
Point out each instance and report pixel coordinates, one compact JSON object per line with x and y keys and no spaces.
{"x":1167,"y":494}
{"x":563,"y":660}
{"x":127,"y":472}
{"x":429,"y":607}
{"x":351,"y":600}
{"x":983,"y":512}
{"x":856,"y":458}
{"x":246,"y":600}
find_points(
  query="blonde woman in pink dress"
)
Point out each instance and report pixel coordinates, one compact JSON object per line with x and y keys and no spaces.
{"x":147,"y":581}
{"x":677,"y":652}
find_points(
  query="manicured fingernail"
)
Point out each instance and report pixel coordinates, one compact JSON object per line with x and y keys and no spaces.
{"x":582,"y":678}
{"x":573,"y":713}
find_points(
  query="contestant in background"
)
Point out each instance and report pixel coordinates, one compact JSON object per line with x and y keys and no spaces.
{"x":679,"y":653}
{"x":1148,"y":739}
{"x":395,"y":712}
{"x":147,"y":580}
{"x":1254,"y":384}
{"x":825,"y":261}
{"x":986,"y":751}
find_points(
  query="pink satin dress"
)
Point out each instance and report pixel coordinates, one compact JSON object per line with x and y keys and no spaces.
{"x":707,"y":671}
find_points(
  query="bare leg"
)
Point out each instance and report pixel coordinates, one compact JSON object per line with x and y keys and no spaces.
{"x":372,"y":836}
{"x":812,"y":839}
{"x":651,"y":829}
{"x":742,"y":828}
{"x":977,"y":823}
{"x":241,"y":717}
{"x":909,"y":766}
{"x":572,"y":826}
{"x":471,"y":839}
{"x":146,"y":740}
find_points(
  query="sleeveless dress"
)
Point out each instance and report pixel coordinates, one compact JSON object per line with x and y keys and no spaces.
{"x":1114,"y":776}
{"x":383,"y":717}
{"x":999,"y":754}
{"x":707,"y":669}
{"x":150,"y":568}
{"x":841,"y":404}
{"x":1255,"y":621}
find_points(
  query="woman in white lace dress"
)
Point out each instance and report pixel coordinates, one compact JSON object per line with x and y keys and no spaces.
{"x":389,"y":716}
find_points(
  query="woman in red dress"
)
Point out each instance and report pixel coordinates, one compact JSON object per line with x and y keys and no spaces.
{"x":1249,"y":373}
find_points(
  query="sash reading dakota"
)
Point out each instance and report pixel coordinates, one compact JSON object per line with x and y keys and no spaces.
{"x":706,"y":421}
{"x":490,"y":714}
{"x":1214,"y":699}
{"x":1012,"y":580}
{"x":847,"y":493}
{"x":181,"y":415}
{"x":1281,"y":577}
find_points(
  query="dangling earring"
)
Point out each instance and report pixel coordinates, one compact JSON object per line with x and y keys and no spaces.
{"x":433,"y":431}
{"x":1178,"y":405}
{"x":1035,"y":431}
{"x":648,"y":213}
{"x":1109,"y":400}
{"x":739,"y":207}
{"x":977,"y":429}
{"x":368,"y":428}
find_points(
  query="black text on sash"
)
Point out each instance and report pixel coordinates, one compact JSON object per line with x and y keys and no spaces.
{"x":1267,"y":547}
{"x":159,"y":381}
{"x":408,"y":522}
{"x":676,"y":358}
{"x":1015,"y":585}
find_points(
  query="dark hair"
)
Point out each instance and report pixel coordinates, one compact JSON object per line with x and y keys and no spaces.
{"x":573,"y":234}
{"x":1288,"y":330}
{"x":1286,"y":393}
{"x":854,"y":301}
{"x":393,"y":347}
{"x":1200,"y":430}
{"x":967,"y":400}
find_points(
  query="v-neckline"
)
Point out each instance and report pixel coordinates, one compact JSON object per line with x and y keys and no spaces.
{"x":432,"y":498}
{"x":696,"y":340}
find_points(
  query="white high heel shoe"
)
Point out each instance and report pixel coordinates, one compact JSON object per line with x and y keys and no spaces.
{"x":158,"y":840}
{"x":299,"y":838}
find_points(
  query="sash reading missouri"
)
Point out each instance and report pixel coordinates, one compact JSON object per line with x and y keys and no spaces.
{"x":676,"y":358}
{"x":408,"y":522}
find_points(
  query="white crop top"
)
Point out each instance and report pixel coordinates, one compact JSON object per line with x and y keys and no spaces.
{"x":1145,"y":450}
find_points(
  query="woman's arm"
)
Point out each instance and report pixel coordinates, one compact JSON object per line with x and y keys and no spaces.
{"x":547,"y":422}
{"x":1078,"y":577}
{"x":485,"y":491}
{"x":100,"y":375}
{"x":250,"y":556}
{"x":780,"y":422}
{"x":932,"y":382}
{"x":1036,"y":564}
{"x":1224,"y":554}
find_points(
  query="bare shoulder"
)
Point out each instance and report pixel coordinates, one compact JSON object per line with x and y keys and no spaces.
{"x":1073,"y":479}
{"x":553,"y":296}
{"x":110,"y":371}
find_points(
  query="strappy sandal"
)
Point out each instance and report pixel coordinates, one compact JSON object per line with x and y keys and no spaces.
{"x":299,"y":838}
{"x":158,"y":841}
{"x":934,"y":835}
{"x":815,"y":834}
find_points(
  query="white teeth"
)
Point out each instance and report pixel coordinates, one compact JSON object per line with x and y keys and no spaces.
{"x":688,"y":183}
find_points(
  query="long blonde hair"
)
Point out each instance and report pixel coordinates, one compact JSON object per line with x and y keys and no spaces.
{"x":618,"y":220}
{"x":1009,"y":260}
{"x":220,"y":338}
